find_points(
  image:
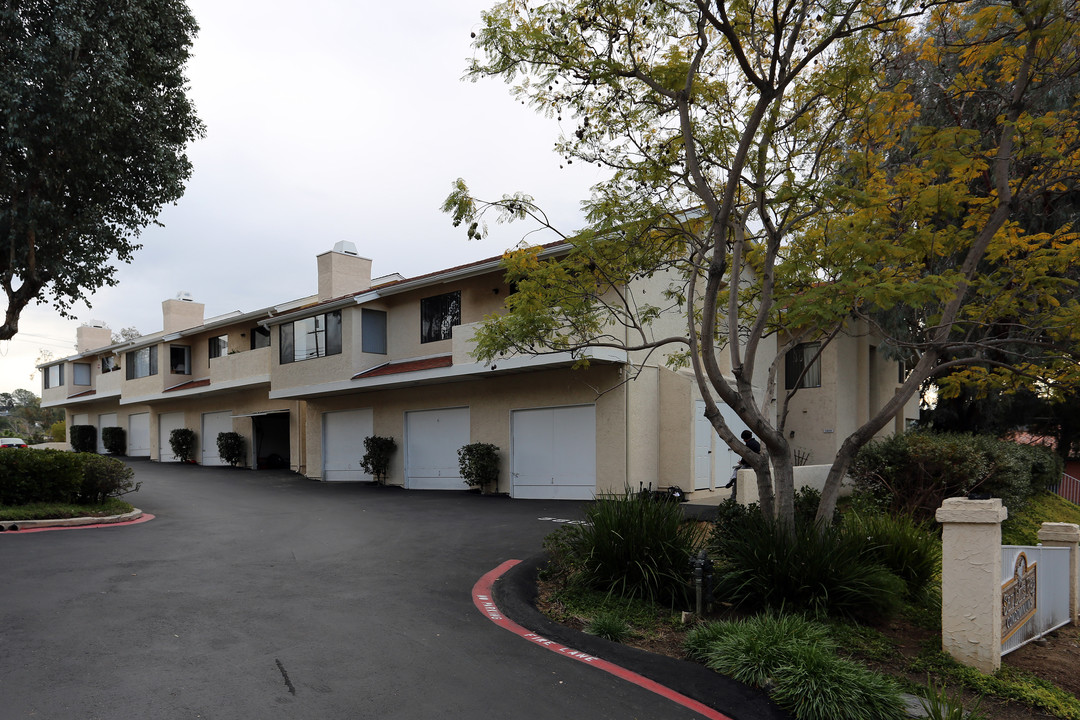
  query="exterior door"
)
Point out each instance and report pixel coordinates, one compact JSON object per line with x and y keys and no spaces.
{"x":138,"y":438}
{"x":167,"y":422}
{"x":432,"y":440}
{"x":553,"y":453}
{"x":212,"y":425}
{"x":104,"y":421}
{"x":343,"y":444}
{"x":707,"y":444}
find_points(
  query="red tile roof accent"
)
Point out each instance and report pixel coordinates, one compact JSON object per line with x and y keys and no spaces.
{"x":395,"y":368}
{"x":190,"y":384}
{"x":84,"y":393}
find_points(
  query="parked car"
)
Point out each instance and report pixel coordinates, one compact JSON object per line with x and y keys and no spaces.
{"x":12,"y":443}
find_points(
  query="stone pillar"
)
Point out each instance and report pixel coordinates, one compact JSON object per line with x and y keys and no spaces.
{"x":1066,"y":535}
{"x":971,"y":581}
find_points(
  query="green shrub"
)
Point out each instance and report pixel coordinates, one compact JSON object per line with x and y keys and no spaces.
{"x":939,"y":705}
{"x":51,"y":476}
{"x":84,"y":438}
{"x":58,"y":431}
{"x":609,"y":626}
{"x":629,"y":546}
{"x":820,"y":570}
{"x":114,"y":439}
{"x":377,"y":453}
{"x":909,"y":550}
{"x":230,"y":447}
{"x":912,"y":473}
{"x":182,"y":442}
{"x":479,"y":464}
{"x":796,"y":660}
{"x":104,"y":477}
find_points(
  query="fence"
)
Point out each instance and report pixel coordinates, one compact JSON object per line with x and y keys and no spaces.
{"x":1068,"y":488}
{"x":1035,"y":594}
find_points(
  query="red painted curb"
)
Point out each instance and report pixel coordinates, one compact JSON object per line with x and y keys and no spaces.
{"x":484,"y":602}
{"x":145,"y":517}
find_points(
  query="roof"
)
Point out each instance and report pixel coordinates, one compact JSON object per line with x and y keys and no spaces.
{"x":404,"y":366}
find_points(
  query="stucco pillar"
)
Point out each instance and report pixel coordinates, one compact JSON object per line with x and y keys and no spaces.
{"x":971,"y":581}
{"x":1066,"y":535}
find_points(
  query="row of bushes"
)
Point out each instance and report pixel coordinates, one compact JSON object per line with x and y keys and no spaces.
{"x":54,"y":476}
{"x":912,"y":473}
{"x":478,"y":462}
{"x":181,"y":440}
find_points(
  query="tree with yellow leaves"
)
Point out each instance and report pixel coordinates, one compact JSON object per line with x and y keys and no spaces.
{"x":772,"y":159}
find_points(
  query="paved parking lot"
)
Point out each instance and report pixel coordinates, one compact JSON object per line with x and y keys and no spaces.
{"x":264,"y":595}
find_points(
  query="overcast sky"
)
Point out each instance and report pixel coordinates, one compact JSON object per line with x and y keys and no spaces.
{"x":344,"y":121}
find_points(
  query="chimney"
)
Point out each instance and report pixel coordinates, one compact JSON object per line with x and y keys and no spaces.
{"x":181,"y":313}
{"x":92,"y":335}
{"x":342,"y":271}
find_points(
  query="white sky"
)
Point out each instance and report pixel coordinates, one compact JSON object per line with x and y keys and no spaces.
{"x":344,"y":121}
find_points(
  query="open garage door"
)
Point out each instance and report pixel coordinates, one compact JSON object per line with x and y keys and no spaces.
{"x":553,"y":453}
{"x":167,"y":422}
{"x":138,"y":439}
{"x":214,"y":424}
{"x":432,"y":440}
{"x":343,"y":444}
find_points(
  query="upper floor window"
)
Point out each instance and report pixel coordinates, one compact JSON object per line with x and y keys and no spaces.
{"x":438,"y":316}
{"x":142,"y":362}
{"x":260,"y":337}
{"x":373,"y":331}
{"x":180,"y":359}
{"x":802,"y":366}
{"x":108,"y":364}
{"x":312,"y":337}
{"x":54,"y":376}
{"x":80,"y":373}
{"x":219,"y":346}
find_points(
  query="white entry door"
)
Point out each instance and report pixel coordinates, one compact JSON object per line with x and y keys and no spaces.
{"x":343,"y":443}
{"x":138,"y":439}
{"x":553,"y":453}
{"x":212,"y":425}
{"x":713,"y":459}
{"x":432,"y":440}
{"x":167,"y":422}
{"x":104,"y":421}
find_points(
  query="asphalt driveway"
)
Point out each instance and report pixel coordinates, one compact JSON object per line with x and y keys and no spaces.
{"x":264,"y":595}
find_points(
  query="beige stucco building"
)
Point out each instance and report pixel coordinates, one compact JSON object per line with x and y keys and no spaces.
{"x":306,"y":381}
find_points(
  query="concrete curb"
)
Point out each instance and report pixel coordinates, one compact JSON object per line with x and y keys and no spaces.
{"x":16,"y":525}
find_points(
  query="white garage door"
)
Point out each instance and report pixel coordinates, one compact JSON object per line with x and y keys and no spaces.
{"x":713,"y":459}
{"x":138,"y":439}
{"x":104,"y":421}
{"x":167,"y":422}
{"x":343,"y":443}
{"x":553,"y":453}
{"x":432,"y":440}
{"x":213,"y":424}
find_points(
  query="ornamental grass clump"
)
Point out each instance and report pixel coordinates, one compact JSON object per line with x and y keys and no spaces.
{"x":629,"y":546}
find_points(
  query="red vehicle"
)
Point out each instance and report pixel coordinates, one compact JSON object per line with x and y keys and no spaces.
{"x":12,"y":443}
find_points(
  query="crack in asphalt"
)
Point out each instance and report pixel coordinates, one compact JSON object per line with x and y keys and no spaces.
{"x":288,"y":682}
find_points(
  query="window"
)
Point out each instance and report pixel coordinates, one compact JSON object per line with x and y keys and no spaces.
{"x":80,"y":373}
{"x":142,"y":363}
{"x":219,"y":346}
{"x":180,"y":359}
{"x":312,"y":337}
{"x":373,"y":331}
{"x":802,"y":366}
{"x":54,"y":376}
{"x":108,"y":364}
{"x":438,"y":316}
{"x":260,"y":337}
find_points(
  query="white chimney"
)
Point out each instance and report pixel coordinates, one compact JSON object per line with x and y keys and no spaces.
{"x":181,"y":313}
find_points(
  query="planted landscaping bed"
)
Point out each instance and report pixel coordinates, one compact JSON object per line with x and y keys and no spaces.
{"x":51,"y":484}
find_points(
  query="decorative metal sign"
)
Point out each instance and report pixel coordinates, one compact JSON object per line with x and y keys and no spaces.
{"x":1018,"y":597}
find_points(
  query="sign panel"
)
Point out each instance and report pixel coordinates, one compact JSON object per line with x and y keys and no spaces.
{"x":1019,"y":596}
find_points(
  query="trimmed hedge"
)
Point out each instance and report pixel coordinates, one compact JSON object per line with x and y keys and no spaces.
{"x":114,"y":439}
{"x":84,"y":438}
{"x":230,"y":447}
{"x":54,"y":476}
